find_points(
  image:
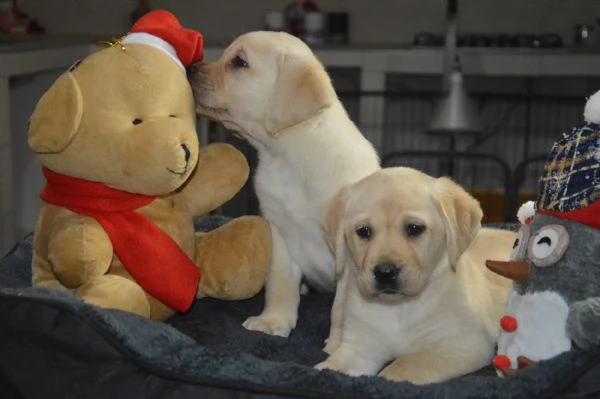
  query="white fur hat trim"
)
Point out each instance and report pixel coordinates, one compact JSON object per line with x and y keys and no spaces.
{"x":591,"y":112}
{"x":526,"y":211}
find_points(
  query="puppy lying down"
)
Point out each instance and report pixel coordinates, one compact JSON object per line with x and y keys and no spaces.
{"x":412,"y":286}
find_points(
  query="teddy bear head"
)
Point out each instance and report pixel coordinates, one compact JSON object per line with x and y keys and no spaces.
{"x":123,"y":116}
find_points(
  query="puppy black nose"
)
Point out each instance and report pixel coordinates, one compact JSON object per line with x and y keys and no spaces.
{"x":187,"y":152}
{"x":386,"y":275}
{"x":192,"y":69}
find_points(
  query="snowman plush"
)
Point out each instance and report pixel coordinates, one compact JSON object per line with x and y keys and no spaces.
{"x":554,"y":304}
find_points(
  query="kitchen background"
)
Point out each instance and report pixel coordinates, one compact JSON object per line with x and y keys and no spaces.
{"x":528,"y":65}
{"x":372,"y":21}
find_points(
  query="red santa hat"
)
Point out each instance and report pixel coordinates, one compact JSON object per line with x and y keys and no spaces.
{"x":162,"y":30}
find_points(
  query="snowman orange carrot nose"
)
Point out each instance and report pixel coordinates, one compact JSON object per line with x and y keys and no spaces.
{"x":514,"y":270}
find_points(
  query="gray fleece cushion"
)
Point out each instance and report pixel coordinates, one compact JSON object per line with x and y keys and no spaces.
{"x":52,"y":345}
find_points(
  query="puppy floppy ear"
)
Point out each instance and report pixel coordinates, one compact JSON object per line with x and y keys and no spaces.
{"x":56,"y":118}
{"x":334,"y":228}
{"x":461,"y":214}
{"x":302,"y":90}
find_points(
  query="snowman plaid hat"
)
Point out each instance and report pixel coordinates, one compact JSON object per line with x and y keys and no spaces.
{"x":570,"y":185}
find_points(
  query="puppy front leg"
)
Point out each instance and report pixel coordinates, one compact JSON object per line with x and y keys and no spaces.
{"x":282,"y":293}
{"x":353,"y":360}
{"x":441,"y":362}
{"x":337,"y":315}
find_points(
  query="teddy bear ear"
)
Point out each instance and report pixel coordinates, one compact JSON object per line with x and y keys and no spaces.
{"x":55,"y":120}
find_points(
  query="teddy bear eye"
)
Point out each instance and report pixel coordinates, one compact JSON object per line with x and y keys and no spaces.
{"x":172,"y":116}
{"x":137,"y":121}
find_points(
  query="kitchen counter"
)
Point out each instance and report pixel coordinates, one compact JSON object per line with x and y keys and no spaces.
{"x":377,"y":61}
{"x":389,"y":57}
{"x":534,"y":62}
{"x":33,"y":55}
{"x":15,"y":51}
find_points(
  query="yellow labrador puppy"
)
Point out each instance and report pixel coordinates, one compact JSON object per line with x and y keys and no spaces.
{"x":269,"y":88}
{"x":413,"y":287}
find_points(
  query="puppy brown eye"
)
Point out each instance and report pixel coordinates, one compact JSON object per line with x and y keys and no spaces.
{"x":414,"y":230}
{"x":364,"y":232}
{"x":239,"y":62}
{"x":136,"y":121}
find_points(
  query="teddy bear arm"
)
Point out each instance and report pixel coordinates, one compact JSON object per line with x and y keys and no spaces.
{"x":234,"y":258}
{"x":583,"y":322}
{"x":221,"y":172}
{"x":78,"y":250}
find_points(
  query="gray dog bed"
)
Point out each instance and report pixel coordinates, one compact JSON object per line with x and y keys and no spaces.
{"x":52,"y":345}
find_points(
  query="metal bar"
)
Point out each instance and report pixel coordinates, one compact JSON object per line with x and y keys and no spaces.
{"x":479,"y":95}
{"x":7,"y":200}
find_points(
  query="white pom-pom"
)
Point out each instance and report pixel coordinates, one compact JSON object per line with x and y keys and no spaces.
{"x":591,"y":112}
{"x":526,"y":211}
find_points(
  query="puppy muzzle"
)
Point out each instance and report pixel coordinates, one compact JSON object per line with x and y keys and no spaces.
{"x":386,"y":276}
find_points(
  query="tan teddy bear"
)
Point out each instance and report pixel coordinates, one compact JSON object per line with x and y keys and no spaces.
{"x":125,"y":176}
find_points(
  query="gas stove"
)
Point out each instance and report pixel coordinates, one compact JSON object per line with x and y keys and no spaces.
{"x":520,"y":40}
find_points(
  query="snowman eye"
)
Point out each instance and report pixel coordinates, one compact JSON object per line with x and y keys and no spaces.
{"x":520,"y":245}
{"x":545,"y":240}
{"x":548,"y":245}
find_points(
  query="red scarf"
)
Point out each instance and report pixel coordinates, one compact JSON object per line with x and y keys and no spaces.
{"x":152,"y":257}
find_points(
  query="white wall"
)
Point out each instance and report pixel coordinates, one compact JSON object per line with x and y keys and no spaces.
{"x":28,"y":180}
{"x":372,"y":21}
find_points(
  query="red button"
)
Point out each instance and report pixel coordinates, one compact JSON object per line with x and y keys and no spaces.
{"x":501,"y":362}
{"x":508,"y":323}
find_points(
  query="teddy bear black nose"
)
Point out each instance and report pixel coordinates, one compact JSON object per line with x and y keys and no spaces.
{"x":187,"y":152}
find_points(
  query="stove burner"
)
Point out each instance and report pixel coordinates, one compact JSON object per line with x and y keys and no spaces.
{"x":520,"y":40}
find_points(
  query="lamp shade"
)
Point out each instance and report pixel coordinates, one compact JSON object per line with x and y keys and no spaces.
{"x":456,"y":113}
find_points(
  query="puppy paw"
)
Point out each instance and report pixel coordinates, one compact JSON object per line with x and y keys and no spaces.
{"x":395,"y":374}
{"x":390,"y":375}
{"x":304,"y":289}
{"x":271,"y":324}
{"x":328,"y":364}
{"x":331,"y":345}
{"x":334,"y":365}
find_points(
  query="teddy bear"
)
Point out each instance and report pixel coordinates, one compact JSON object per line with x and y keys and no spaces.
{"x":554,"y":305}
{"x":125,"y":177}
